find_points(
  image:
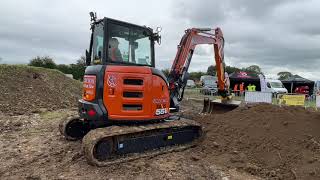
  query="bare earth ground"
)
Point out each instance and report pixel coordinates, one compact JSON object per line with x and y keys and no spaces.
{"x":283,"y":148}
{"x":32,"y":148}
{"x":263,"y":141}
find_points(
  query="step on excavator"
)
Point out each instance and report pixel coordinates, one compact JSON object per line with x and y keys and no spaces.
{"x":127,"y":106}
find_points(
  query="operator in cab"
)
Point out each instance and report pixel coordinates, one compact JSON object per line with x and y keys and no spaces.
{"x":113,"y":51}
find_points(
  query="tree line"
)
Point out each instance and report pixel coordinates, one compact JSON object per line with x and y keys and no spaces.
{"x":285,"y":75}
{"x":77,"y":69}
{"x":230,"y":69}
{"x":212,"y":71}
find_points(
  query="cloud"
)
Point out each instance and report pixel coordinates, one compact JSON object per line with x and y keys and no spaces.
{"x":273,"y":34}
{"x":277,"y":35}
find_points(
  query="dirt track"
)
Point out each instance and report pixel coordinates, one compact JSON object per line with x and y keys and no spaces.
{"x":282,"y":148}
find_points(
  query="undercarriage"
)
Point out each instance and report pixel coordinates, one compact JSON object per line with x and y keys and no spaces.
{"x":120,"y":143}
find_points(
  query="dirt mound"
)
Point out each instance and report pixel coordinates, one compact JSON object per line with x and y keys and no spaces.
{"x":27,"y":89}
{"x":265,"y":140}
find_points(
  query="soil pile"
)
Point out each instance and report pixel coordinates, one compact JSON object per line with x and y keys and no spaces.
{"x":26,"y":89}
{"x":265,"y":140}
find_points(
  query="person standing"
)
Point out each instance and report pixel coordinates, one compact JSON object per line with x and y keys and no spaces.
{"x":235,"y":89}
{"x":253,"y":87}
{"x":241,"y":88}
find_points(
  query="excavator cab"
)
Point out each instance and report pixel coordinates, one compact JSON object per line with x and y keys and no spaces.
{"x":121,"y":66}
{"x":116,"y":42}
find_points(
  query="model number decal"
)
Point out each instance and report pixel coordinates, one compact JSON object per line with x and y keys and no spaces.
{"x":159,"y":101}
{"x":161,"y":111}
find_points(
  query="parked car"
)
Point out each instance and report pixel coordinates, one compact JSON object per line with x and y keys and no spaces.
{"x":205,"y":77}
{"x":276,"y":87}
{"x":209,"y":86}
{"x":191,"y":84}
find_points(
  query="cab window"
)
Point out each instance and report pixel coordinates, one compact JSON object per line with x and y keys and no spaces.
{"x":118,"y":43}
{"x":129,"y":45}
{"x":97,"y":46}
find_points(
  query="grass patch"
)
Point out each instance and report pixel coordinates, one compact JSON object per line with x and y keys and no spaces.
{"x":49,"y":115}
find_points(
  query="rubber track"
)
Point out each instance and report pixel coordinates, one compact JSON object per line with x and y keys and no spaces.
{"x":94,"y":136}
{"x":63,"y":124}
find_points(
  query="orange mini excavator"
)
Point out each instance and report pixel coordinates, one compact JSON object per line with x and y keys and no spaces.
{"x":127,"y":104}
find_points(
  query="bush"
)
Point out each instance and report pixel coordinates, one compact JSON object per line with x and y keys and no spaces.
{"x":45,"y":61}
{"x":77,"y":70}
{"x":64,"y":68}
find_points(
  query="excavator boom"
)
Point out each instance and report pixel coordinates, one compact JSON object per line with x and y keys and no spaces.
{"x":179,"y":71}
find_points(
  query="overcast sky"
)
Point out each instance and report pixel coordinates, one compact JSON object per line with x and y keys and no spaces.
{"x":276,"y":35}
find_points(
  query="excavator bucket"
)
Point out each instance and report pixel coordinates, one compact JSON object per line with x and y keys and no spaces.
{"x":218,"y":106}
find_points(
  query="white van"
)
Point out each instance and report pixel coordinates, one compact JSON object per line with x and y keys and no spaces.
{"x":190,"y":83}
{"x":275,"y":86}
{"x":206,"y":77}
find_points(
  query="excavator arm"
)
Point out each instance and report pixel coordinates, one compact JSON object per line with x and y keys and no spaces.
{"x":179,"y":71}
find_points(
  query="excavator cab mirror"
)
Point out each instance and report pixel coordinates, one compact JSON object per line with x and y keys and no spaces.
{"x":158,"y":30}
{"x":93,"y":16}
{"x":156,"y":36}
{"x":88,"y":59}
